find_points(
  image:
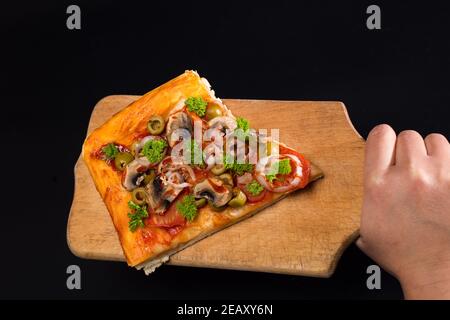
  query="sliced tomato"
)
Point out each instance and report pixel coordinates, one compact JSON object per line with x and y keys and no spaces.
{"x":298,"y":177}
{"x":169,"y":219}
{"x":250,"y":197}
{"x":305,"y":164}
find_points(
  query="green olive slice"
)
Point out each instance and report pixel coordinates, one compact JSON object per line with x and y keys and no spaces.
{"x":200,"y":202}
{"x":227,"y":178}
{"x":239,"y":199}
{"x":139,"y":196}
{"x":156,"y":124}
{"x":122,"y":159}
{"x":149,"y":176}
{"x":213,"y":111}
{"x":218,"y":169}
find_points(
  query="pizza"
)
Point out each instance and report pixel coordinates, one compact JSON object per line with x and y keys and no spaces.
{"x":176,"y":166}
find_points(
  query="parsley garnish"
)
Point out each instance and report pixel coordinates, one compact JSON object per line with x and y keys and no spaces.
{"x":197,"y":105}
{"x":243,"y":128}
{"x":254,"y":188}
{"x":154,"y":150}
{"x":110,"y":151}
{"x":243,"y":124}
{"x":280,"y":167}
{"x":238,"y":168}
{"x":136,"y":218}
{"x":187,"y":207}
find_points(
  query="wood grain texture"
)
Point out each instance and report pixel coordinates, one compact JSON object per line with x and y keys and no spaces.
{"x":303,"y":234}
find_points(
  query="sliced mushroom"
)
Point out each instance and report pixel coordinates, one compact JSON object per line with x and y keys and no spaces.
{"x":214,"y":190}
{"x":132,"y":173}
{"x":213,"y":155}
{"x":160,"y":194}
{"x":179,"y":126}
{"x":223,"y":123}
{"x":155,"y":194}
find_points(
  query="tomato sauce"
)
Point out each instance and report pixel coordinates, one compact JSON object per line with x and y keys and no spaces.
{"x":200,"y":174}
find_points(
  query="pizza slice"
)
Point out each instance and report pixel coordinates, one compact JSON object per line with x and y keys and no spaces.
{"x":176,"y":166}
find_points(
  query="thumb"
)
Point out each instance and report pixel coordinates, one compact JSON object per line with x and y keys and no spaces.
{"x":360,"y":243}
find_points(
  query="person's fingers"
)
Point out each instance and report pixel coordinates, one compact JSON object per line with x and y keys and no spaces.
{"x":437,"y":145}
{"x":410,"y":147}
{"x":380,"y":149}
{"x":360,"y":243}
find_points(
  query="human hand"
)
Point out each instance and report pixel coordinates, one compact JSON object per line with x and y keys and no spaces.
{"x":405,"y":222}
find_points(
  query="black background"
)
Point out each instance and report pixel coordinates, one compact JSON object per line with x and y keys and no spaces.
{"x":51,"y":78}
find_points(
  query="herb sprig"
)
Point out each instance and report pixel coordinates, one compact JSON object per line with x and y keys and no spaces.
{"x":137,"y":217}
{"x":187,"y":207}
{"x":197,"y":105}
{"x":110,"y":151}
{"x":280,"y":167}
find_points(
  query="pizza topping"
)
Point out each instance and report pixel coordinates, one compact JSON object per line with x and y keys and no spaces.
{"x":110,"y":151}
{"x":192,"y":153}
{"x":168,"y":164}
{"x":222,"y":123}
{"x":254,"y":188}
{"x":175,"y":180}
{"x":137,"y":146}
{"x":239,"y":198}
{"x":199,"y":203}
{"x":139,"y":196}
{"x":242,"y":130}
{"x":252,"y":198}
{"x":172,"y":218}
{"x":279,"y":168}
{"x":179,"y":127}
{"x":245,"y":178}
{"x":281,"y":173}
{"x":154,"y":150}
{"x":156,"y":124}
{"x":239,"y":168}
{"x":218,"y":169}
{"x":227,"y":179}
{"x":196,"y":105}
{"x":242,"y":124}
{"x":147,"y":177}
{"x":161,"y":194}
{"x":155,"y":199}
{"x":214,"y":190}
{"x":210,"y":152}
{"x":133,"y":171}
{"x":187,"y":207}
{"x":137,"y":216}
{"x":213,"y":111}
{"x":122,"y":159}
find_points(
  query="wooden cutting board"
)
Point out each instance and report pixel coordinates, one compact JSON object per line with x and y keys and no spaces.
{"x":303,"y":234}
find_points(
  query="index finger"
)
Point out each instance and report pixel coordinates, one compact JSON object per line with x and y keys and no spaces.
{"x":380,"y":150}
